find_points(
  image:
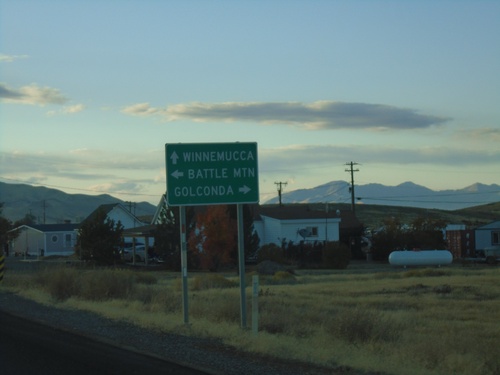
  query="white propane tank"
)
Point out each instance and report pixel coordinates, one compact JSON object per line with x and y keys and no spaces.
{"x":420,"y":258}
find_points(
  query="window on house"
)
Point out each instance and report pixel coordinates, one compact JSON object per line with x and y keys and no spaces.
{"x":67,"y":240}
{"x":313,"y":231}
{"x":495,"y":238}
{"x":54,"y":238}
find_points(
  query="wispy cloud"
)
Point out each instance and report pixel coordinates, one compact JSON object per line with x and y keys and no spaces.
{"x":82,"y":163}
{"x":68,"y":110}
{"x":32,"y":95}
{"x":11,"y":58}
{"x":318,"y":115}
{"x":142,"y":109}
{"x":320,"y":156}
{"x":73,"y":108}
{"x":480,"y":134}
{"x":121,"y":186}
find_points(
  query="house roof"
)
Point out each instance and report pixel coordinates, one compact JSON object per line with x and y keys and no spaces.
{"x":107,"y":208}
{"x":306,"y":211}
{"x":145,"y":230}
{"x":50,"y":227}
{"x":160,"y":206}
{"x":492,"y":225}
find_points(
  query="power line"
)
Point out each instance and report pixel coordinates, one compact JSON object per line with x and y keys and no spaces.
{"x":420,"y":201}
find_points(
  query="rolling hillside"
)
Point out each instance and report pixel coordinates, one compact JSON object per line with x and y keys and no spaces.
{"x":406,"y":194}
{"x":54,"y":206}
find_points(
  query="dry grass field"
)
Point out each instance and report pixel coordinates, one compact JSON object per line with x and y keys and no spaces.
{"x":369,"y":317}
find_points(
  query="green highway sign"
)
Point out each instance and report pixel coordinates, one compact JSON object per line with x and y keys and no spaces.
{"x":211,"y":173}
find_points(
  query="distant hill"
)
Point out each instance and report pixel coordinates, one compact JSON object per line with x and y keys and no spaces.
{"x":54,"y":206}
{"x":406,"y":194}
{"x":57,"y":206}
{"x":372,"y":216}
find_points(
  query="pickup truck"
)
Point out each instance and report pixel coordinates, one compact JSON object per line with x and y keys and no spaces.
{"x":490,"y":254}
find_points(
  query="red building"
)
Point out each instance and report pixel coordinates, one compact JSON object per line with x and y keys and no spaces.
{"x":461,"y":243}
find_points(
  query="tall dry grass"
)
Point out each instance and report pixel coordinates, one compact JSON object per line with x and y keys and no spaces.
{"x":419,"y":321}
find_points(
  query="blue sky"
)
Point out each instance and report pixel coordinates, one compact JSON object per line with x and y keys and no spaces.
{"x":91,"y":91}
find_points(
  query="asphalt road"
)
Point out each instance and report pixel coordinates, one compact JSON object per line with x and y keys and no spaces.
{"x":29,"y":348}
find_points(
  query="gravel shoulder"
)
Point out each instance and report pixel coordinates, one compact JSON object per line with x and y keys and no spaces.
{"x":209,"y":355}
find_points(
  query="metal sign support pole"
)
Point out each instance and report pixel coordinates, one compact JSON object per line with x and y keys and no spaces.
{"x":241,"y":259}
{"x":184,"y":266}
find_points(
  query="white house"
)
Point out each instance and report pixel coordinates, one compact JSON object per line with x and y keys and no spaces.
{"x":488,"y":235}
{"x":119,"y":213}
{"x":44,"y":240}
{"x":282,"y":224}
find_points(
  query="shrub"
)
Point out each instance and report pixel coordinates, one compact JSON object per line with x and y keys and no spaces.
{"x":283,"y":277}
{"x":145,"y":278}
{"x":336,"y":255}
{"x":271,"y":252}
{"x":211,"y":282}
{"x":424,"y":272}
{"x":358,"y":326}
{"x":104,"y":285}
{"x":221,"y":308}
{"x":61,"y":283}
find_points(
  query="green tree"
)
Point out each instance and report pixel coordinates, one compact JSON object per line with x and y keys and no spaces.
{"x":99,"y":239}
{"x":422,"y":233}
{"x":427,"y":234}
{"x":28,"y":219}
{"x":391,"y":237}
{"x":251,"y":239}
{"x":167,"y":237}
{"x":5,"y":227}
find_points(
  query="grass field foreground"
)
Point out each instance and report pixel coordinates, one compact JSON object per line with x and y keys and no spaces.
{"x":396,"y":321}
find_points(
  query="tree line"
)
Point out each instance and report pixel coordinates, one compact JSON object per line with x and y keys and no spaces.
{"x":213,"y":240}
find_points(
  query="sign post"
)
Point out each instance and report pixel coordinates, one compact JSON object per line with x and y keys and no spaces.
{"x":184,"y":267}
{"x":211,"y":174}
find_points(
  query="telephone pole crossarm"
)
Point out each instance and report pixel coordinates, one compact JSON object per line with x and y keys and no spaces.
{"x":352,"y":170}
{"x":280,"y":189}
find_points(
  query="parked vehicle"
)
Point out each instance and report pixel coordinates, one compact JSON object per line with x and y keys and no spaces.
{"x":490,"y":254}
{"x":127,"y":252}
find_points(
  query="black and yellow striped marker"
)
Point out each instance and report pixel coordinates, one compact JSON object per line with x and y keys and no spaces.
{"x":2,"y":264}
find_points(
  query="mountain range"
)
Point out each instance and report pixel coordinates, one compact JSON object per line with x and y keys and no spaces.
{"x":54,"y":206}
{"x":406,"y":194}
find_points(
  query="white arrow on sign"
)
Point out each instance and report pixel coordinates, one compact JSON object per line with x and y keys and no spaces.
{"x":245,"y":189}
{"x":177,"y":174}
{"x":174,"y":158}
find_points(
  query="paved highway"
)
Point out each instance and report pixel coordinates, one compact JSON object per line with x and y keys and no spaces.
{"x":29,"y":348}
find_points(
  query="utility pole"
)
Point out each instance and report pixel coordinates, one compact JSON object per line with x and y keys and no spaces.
{"x":280,"y":189}
{"x":351,"y":189}
{"x":43,"y":205}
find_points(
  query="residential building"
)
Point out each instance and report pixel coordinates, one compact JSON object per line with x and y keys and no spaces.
{"x":309,"y":223}
{"x":44,"y":240}
{"x":488,"y":235}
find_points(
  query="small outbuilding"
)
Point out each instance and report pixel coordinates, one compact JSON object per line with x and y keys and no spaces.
{"x":44,"y":240}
